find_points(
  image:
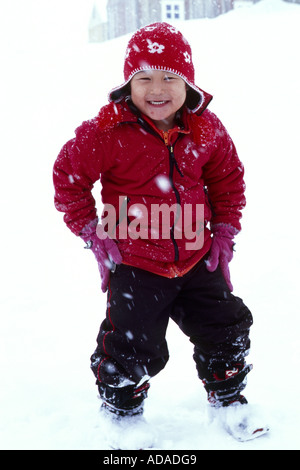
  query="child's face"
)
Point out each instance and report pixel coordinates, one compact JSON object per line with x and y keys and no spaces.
{"x":159,"y":95}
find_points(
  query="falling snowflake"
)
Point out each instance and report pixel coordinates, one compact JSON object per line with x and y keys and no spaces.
{"x":127,"y":295}
{"x":129,"y":335}
{"x":163,"y":183}
{"x":136,"y":48}
{"x":155,"y":47}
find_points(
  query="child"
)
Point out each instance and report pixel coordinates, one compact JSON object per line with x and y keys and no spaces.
{"x":157,"y":145}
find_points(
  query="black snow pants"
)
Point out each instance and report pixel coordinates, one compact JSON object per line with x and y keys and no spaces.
{"x":132,"y":339}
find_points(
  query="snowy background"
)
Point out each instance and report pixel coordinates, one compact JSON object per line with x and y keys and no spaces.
{"x":51,"y":304}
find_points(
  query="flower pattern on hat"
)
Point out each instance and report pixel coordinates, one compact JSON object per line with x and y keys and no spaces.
{"x":172,"y":29}
{"x":150,"y":28}
{"x":187,"y":57}
{"x":155,"y":47}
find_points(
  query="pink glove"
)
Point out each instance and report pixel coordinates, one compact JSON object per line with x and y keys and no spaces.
{"x":104,"y":248}
{"x":221,"y":251}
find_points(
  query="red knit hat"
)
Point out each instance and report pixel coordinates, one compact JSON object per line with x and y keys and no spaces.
{"x":160,"y":46}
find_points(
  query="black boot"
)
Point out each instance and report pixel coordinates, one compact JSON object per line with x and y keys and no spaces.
{"x":224,"y":385}
{"x":124,"y":401}
{"x":122,"y":417}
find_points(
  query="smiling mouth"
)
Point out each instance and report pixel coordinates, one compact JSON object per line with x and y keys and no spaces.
{"x":157,"y":103}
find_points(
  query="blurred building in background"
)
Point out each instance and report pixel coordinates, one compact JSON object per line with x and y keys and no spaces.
{"x":114,"y":18}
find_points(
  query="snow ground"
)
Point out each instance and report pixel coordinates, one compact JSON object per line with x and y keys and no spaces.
{"x":51,"y":304}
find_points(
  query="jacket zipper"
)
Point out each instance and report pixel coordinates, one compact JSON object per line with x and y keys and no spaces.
{"x":165,"y":136}
{"x":173,"y":164}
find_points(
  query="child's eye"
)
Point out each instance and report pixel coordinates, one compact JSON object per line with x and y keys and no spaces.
{"x":168,"y":78}
{"x":143,"y":77}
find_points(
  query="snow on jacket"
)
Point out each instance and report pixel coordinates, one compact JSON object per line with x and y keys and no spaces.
{"x":139,"y":165}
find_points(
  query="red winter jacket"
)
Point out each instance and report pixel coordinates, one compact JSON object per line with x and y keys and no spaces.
{"x":195,"y":163}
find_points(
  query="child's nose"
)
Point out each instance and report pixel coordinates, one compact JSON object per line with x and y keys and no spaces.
{"x":157,"y":87}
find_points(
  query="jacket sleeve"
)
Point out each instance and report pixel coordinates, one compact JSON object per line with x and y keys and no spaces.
{"x":224,"y":178}
{"x":76,"y":169}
